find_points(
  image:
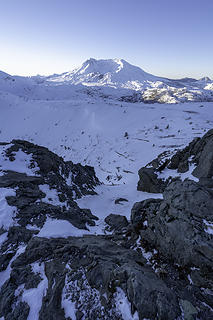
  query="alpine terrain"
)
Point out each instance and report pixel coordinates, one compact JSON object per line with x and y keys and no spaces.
{"x":106,"y":195}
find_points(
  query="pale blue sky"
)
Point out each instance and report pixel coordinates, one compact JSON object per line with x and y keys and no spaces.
{"x":171,"y":38}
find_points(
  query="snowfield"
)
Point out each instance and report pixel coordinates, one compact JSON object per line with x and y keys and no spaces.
{"x":116,"y":138}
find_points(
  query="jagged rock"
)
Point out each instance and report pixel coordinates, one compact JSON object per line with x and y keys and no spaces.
{"x":162,"y":261}
{"x":149,"y":181}
{"x":203,"y":152}
{"x":141,"y":211}
{"x":16,"y":236}
{"x":189,"y":310}
{"x":175,"y":225}
{"x":199,"y":152}
{"x":14,"y":179}
{"x":55,"y":171}
{"x":51,"y":304}
{"x":67,"y":179}
{"x":94,"y":262}
{"x":116,"y":221}
{"x":119,"y":200}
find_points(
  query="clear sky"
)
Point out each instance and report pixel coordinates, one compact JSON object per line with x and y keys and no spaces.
{"x":171,"y":38}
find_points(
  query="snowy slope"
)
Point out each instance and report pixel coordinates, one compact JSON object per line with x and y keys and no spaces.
{"x":116,"y":139}
{"x":20,"y":86}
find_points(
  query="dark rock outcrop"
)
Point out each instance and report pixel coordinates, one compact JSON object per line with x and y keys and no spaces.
{"x":149,"y":181}
{"x":160,"y":263}
{"x":74,"y":179}
{"x":177,"y":231}
{"x":86,"y":266}
{"x":175,"y":225}
{"x":116,"y":222}
{"x":198,"y":153}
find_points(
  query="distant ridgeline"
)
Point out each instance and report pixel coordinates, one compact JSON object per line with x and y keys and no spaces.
{"x":109,"y":79}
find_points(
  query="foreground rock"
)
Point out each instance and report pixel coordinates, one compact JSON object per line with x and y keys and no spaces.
{"x":177,"y":231}
{"x":90,"y":272}
{"x":178,"y":234}
{"x":158,"y":266}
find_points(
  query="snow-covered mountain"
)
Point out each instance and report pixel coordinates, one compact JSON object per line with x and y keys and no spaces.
{"x":110,"y":79}
{"x":112,"y":72}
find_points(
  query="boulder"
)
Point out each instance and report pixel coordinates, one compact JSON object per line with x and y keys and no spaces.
{"x":198,"y":153}
{"x":149,"y":181}
{"x":116,"y":221}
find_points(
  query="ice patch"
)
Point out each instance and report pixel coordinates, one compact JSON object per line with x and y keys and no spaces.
{"x":167,"y":173}
{"x":3,"y":237}
{"x":34,"y":296}
{"x":30,"y":227}
{"x":208,"y":227}
{"x":190,"y":279}
{"x":123,"y":306}
{"x":51,"y":196}
{"x":60,"y":228}
{"x":23,"y":163}
{"x":7,"y":213}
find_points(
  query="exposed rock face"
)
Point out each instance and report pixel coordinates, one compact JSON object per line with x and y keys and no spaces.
{"x":198,"y":153}
{"x":179,"y":228}
{"x":116,"y":222}
{"x":175,"y":225}
{"x":88,"y":265}
{"x":160,"y":264}
{"x":55,"y":171}
{"x":44,"y":187}
{"x":149,"y":181}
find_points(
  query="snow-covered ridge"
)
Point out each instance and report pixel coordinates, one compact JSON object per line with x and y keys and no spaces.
{"x":110,"y":79}
{"x":117,"y":72}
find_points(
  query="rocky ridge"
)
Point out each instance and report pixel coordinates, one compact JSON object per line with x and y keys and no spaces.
{"x":158,"y":265}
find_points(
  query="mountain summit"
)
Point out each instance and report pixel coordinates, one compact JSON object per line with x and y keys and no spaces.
{"x":105,"y":72}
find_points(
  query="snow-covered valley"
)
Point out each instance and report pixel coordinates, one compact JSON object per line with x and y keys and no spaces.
{"x":116,"y":139}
